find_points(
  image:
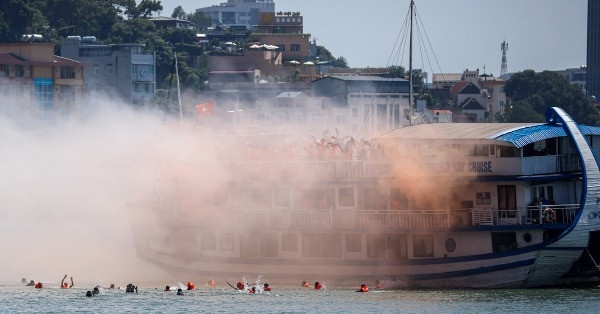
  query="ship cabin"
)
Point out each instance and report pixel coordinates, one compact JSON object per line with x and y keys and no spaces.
{"x":459,"y":176}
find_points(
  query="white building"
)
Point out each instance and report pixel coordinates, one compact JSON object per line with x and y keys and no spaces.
{"x":244,"y":13}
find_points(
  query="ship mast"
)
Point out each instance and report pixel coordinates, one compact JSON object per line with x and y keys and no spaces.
{"x":178,"y":90}
{"x":410,"y":77}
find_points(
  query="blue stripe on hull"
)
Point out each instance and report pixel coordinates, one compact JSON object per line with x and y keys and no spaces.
{"x":475,"y":271}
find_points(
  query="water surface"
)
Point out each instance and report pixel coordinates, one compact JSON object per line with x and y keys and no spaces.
{"x":151,"y":299}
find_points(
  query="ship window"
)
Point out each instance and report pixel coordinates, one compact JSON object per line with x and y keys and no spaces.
{"x":450,"y":245}
{"x":282,"y":198}
{"x":481,"y":150}
{"x":396,"y":246}
{"x":423,"y":245}
{"x":508,"y":151}
{"x":507,"y":201}
{"x":248,"y":245}
{"x":346,"y":197}
{"x":376,"y":247}
{"x":374,"y":200}
{"x":226,"y":242}
{"x":332,"y":245}
{"x":504,"y":241}
{"x":289,"y":242}
{"x":255,"y":199}
{"x":311,"y":245}
{"x":267,"y":245}
{"x":399,"y":199}
{"x":209,"y":241}
{"x":353,"y":243}
{"x":315,"y":199}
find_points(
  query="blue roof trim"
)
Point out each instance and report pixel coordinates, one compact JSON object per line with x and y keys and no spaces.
{"x":527,"y":135}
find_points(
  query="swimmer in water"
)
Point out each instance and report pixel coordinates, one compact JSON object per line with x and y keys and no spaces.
{"x":167,"y":288}
{"x":318,"y":286}
{"x":304,"y":284}
{"x":266,"y":287}
{"x":65,"y":285}
{"x":30,"y":284}
{"x":96,"y":290}
{"x":363,"y":288}
{"x":180,"y":292}
{"x":240,"y":285}
{"x":112,"y":286}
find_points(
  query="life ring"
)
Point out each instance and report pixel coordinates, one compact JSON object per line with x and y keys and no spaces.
{"x":549,"y":216}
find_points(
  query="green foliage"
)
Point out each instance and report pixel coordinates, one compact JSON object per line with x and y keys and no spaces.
{"x":200,"y":20}
{"x":340,"y":62}
{"x":178,"y":13}
{"x":542,"y":90}
{"x":324,"y":54}
{"x":396,"y":71}
{"x":178,"y":35}
{"x":19,"y":17}
{"x":520,"y":111}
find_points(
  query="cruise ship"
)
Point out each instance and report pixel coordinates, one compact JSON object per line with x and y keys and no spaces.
{"x":442,"y":205}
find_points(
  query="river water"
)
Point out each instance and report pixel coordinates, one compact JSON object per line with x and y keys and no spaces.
{"x":15,"y":298}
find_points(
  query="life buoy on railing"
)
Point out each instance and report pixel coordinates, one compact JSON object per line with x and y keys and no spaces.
{"x":549,"y":215}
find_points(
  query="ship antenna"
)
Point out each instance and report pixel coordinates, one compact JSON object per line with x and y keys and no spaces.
{"x":410,"y":74}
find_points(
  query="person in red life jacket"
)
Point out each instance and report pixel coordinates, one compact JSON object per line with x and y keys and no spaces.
{"x":304,"y":284}
{"x":267,"y":288}
{"x":318,"y":286}
{"x":190,"y":285}
{"x":363,"y":288}
{"x":38,"y":285}
{"x":211,"y":282}
{"x":65,"y":285}
{"x":253,"y":290}
{"x":240,"y":285}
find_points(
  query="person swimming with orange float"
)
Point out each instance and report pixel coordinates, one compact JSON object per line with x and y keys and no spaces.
{"x":240,"y":285}
{"x":65,"y":285}
{"x":266,"y":287}
{"x":191,"y":286}
{"x":304,"y":284}
{"x":363,"y":288}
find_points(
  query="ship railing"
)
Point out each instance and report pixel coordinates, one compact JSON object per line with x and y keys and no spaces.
{"x":345,"y":219}
{"x":541,"y":214}
{"x":425,"y":219}
{"x":314,"y":170}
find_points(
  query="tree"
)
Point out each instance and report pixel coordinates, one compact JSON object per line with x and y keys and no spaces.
{"x":200,"y":20}
{"x":340,"y":62}
{"x":80,"y":17}
{"x":396,"y":71}
{"x":540,"y":91}
{"x":178,"y":13}
{"x":323,"y":54}
{"x":18,"y":17}
{"x":520,"y":111}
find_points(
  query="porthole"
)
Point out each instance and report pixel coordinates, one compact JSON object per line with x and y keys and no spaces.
{"x":450,"y":245}
{"x":527,"y":237}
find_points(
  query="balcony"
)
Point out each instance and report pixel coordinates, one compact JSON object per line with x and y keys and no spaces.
{"x":395,"y":220}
